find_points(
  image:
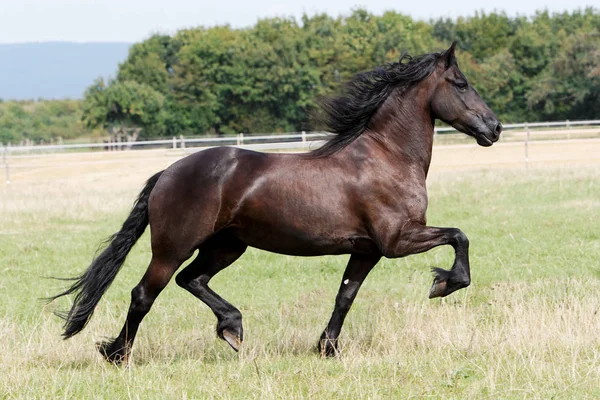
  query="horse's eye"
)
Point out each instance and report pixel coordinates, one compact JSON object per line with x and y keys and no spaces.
{"x":462,"y":86}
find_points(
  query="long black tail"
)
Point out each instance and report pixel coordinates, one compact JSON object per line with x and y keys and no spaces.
{"x":93,"y":283}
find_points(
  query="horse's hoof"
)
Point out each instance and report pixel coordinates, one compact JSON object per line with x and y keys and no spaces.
{"x":438,"y":289}
{"x":233,"y":339}
{"x":328,"y":348}
{"x":115,"y":356}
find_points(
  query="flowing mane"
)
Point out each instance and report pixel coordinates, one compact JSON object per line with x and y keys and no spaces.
{"x":348,"y":114}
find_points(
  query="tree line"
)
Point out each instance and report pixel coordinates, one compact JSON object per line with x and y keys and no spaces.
{"x":41,"y":121}
{"x":270,"y":77}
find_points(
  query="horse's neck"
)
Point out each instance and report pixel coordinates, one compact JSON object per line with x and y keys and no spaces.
{"x":403,"y":129}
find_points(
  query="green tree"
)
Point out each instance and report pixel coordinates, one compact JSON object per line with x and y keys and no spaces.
{"x":126,"y":109}
{"x":481,"y":35}
{"x":569,"y":87}
{"x":269,"y":77}
{"x":206,"y":59}
{"x":44,"y":120}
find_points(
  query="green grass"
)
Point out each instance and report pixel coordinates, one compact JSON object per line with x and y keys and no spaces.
{"x":527,"y":327}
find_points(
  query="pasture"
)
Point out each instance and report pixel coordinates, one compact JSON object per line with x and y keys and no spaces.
{"x":527,"y":327}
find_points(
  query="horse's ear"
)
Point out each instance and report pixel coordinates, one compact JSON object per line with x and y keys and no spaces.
{"x":448,"y":55}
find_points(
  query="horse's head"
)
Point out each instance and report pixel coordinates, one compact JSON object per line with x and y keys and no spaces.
{"x":457,"y":103}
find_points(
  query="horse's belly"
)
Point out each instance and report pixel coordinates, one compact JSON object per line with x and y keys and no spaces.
{"x":304,"y":244}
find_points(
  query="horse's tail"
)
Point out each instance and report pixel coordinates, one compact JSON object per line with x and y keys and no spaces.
{"x":91,"y":285}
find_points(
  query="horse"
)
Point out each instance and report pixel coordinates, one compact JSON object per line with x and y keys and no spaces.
{"x":362,"y":193}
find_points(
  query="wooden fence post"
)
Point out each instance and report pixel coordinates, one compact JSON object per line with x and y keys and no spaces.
{"x":526,"y":145}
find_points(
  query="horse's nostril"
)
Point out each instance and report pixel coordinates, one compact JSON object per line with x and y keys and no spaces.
{"x":498,"y":128}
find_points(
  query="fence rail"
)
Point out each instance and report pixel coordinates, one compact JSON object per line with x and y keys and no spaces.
{"x":516,"y":133}
{"x":260,"y":141}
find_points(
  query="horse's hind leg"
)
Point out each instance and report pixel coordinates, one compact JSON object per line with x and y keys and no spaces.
{"x":142,"y":297}
{"x":357,"y":270}
{"x":217,"y":253}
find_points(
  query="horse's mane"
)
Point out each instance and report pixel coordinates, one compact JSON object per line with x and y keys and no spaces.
{"x":347,"y":115}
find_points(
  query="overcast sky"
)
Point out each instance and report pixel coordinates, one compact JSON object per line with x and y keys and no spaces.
{"x":134,"y":20}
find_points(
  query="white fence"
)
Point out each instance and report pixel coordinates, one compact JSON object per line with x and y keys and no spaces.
{"x":264,"y":142}
{"x":179,"y":142}
{"x":524,"y":132}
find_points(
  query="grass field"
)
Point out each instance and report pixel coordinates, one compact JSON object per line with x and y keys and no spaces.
{"x":527,"y":327}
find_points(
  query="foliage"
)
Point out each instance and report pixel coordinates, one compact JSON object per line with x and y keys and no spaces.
{"x":570,"y":85}
{"x":40,"y":120}
{"x":270,"y":77}
{"x":125,"y":107}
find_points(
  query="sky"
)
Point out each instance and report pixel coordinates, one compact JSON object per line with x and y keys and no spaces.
{"x":134,"y":20}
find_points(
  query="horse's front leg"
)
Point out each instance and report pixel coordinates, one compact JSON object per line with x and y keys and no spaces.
{"x":357,"y":270}
{"x":415,"y":238}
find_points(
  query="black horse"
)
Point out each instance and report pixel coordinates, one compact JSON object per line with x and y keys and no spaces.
{"x":363,"y":193}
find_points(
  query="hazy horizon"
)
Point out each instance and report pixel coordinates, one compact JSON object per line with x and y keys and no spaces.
{"x":56,"y":70}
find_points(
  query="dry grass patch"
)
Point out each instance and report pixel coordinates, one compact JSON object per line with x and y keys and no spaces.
{"x":528,"y":327}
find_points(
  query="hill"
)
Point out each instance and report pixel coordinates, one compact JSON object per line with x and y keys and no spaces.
{"x":55,"y":70}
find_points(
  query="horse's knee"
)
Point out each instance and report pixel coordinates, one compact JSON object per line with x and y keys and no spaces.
{"x":459,"y":239}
